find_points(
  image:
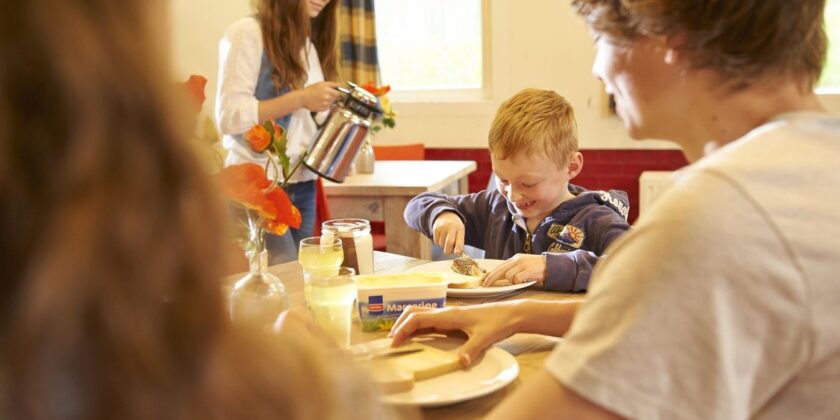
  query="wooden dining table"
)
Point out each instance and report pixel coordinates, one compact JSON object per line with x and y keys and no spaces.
{"x":530,"y":350}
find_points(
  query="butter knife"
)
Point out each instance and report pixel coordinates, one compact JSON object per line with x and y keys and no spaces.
{"x":385,"y":354}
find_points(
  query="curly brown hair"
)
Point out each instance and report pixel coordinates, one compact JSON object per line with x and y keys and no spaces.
{"x":744,"y":40}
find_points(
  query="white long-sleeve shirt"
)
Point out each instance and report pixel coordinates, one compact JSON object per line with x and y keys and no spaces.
{"x":240,"y":56}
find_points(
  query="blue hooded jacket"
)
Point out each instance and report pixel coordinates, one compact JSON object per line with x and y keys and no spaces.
{"x":572,"y":238}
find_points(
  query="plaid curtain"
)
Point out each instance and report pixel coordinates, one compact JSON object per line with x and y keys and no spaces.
{"x":357,"y":38}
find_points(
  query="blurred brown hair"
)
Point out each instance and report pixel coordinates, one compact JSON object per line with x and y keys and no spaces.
{"x":285,"y":26}
{"x":109,"y":240}
{"x":534,"y":122}
{"x":744,"y":40}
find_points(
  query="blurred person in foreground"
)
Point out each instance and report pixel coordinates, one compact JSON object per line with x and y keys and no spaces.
{"x":110,"y":241}
{"x":721,"y":302}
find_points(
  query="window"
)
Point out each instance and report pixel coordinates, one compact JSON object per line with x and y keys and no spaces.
{"x":431,"y":48}
{"x":830,"y":81}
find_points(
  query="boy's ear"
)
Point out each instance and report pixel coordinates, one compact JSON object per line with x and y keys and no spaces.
{"x":575,"y":165}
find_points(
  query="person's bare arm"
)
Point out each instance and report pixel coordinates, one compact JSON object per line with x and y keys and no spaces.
{"x":543,"y":397}
{"x":316,"y":97}
{"x":487,"y":324}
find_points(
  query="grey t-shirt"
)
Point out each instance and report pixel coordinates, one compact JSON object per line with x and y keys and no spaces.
{"x":721,"y":303}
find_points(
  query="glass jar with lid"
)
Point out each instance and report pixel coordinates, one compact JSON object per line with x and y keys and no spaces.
{"x":356,"y":242}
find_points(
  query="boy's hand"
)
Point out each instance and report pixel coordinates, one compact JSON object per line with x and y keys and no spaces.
{"x":518,"y":269}
{"x":448,"y":232}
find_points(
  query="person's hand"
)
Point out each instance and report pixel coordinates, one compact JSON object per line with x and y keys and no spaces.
{"x":299,"y":326}
{"x":448,"y":232}
{"x":483,"y":324}
{"x":518,"y":269}
{"x":319,"y":96}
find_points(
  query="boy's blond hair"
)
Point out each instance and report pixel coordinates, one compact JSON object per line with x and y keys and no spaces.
{"x":535,"y":122}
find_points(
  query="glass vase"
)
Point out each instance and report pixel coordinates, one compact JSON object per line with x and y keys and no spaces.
{"x":258,"y":297}
{"x":365,"y":160}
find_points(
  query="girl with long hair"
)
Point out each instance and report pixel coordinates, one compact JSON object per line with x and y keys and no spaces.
{"x":279,"y":64}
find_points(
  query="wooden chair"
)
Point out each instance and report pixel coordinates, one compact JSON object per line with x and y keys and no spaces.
{"x":413,"y":151}
{"x":322,"y":210}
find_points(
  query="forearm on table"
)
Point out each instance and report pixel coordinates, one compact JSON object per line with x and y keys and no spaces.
{"x":280,"y":106}
{"x":543,"y":317}
{"x":543,"y":397}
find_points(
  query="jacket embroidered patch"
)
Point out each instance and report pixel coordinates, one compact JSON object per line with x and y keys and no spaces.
{"x":567,"y":235}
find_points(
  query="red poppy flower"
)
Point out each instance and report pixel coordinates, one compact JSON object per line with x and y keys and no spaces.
{"x":376,"y":91}
{"x":194,"y":87}
{"x":245,"y":184}
{"x":258,"y":138}
{"x":287,"y":213}
{"x":277,"y":130}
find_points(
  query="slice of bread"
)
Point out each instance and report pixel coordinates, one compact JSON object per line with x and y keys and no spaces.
{"x":466,"y":266}
{"x":389,"y":379}
{"x":460,"y":281}
{"x":429,"y":363}
{"x":398,"y":373}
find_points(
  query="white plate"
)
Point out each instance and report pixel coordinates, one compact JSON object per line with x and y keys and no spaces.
{"x":492,"y":372}
{"x":477,"y":292}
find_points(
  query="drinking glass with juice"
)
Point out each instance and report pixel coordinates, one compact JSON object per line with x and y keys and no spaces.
{"x":320,"y":256}
{"x":331,"y":303}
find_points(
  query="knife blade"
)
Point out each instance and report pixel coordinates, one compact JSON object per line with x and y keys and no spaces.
{"x":385,"y":354}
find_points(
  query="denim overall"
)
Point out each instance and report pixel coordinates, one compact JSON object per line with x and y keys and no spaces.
{"x":285,"y":248}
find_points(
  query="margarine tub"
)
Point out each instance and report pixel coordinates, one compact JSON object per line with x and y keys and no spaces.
{"x":382,"y":297}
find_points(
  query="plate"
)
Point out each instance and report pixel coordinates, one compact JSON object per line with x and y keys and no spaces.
{"x":496,"y":369}
{"x":478,"y":292}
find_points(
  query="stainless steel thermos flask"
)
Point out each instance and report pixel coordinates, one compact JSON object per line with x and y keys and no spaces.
{"x":345,"y":129}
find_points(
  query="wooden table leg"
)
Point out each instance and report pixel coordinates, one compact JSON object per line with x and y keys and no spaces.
{"x":463,"y":185}
{"x":401,"y":239}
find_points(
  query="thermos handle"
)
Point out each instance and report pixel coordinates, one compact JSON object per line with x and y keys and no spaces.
{"x":313,"y":113}
{"x":318,"y":126}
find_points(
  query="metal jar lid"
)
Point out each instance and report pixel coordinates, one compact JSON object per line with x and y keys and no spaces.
{"x":346,"y":226}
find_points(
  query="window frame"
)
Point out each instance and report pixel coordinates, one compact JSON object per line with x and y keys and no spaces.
{"x":830,"y":98}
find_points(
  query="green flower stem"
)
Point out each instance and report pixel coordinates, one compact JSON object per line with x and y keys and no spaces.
{"x":255,"y":236}
{"x":274,"y":181}
{"x":294,"y":169}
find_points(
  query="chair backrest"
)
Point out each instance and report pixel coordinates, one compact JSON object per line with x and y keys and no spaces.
{"x":414,"y":151}
{"x":322,"y":208}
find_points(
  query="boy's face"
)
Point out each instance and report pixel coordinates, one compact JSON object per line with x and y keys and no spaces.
{"x":534,"y":184}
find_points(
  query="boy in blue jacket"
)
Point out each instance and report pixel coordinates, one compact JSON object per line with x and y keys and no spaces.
{"x":547,"y":229}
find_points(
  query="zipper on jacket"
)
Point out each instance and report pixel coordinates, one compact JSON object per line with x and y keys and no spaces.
{"x":527,"y":247}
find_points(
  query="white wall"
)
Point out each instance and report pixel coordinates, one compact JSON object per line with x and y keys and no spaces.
{"x":533,"y":43}
{"x":196,"y":26}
